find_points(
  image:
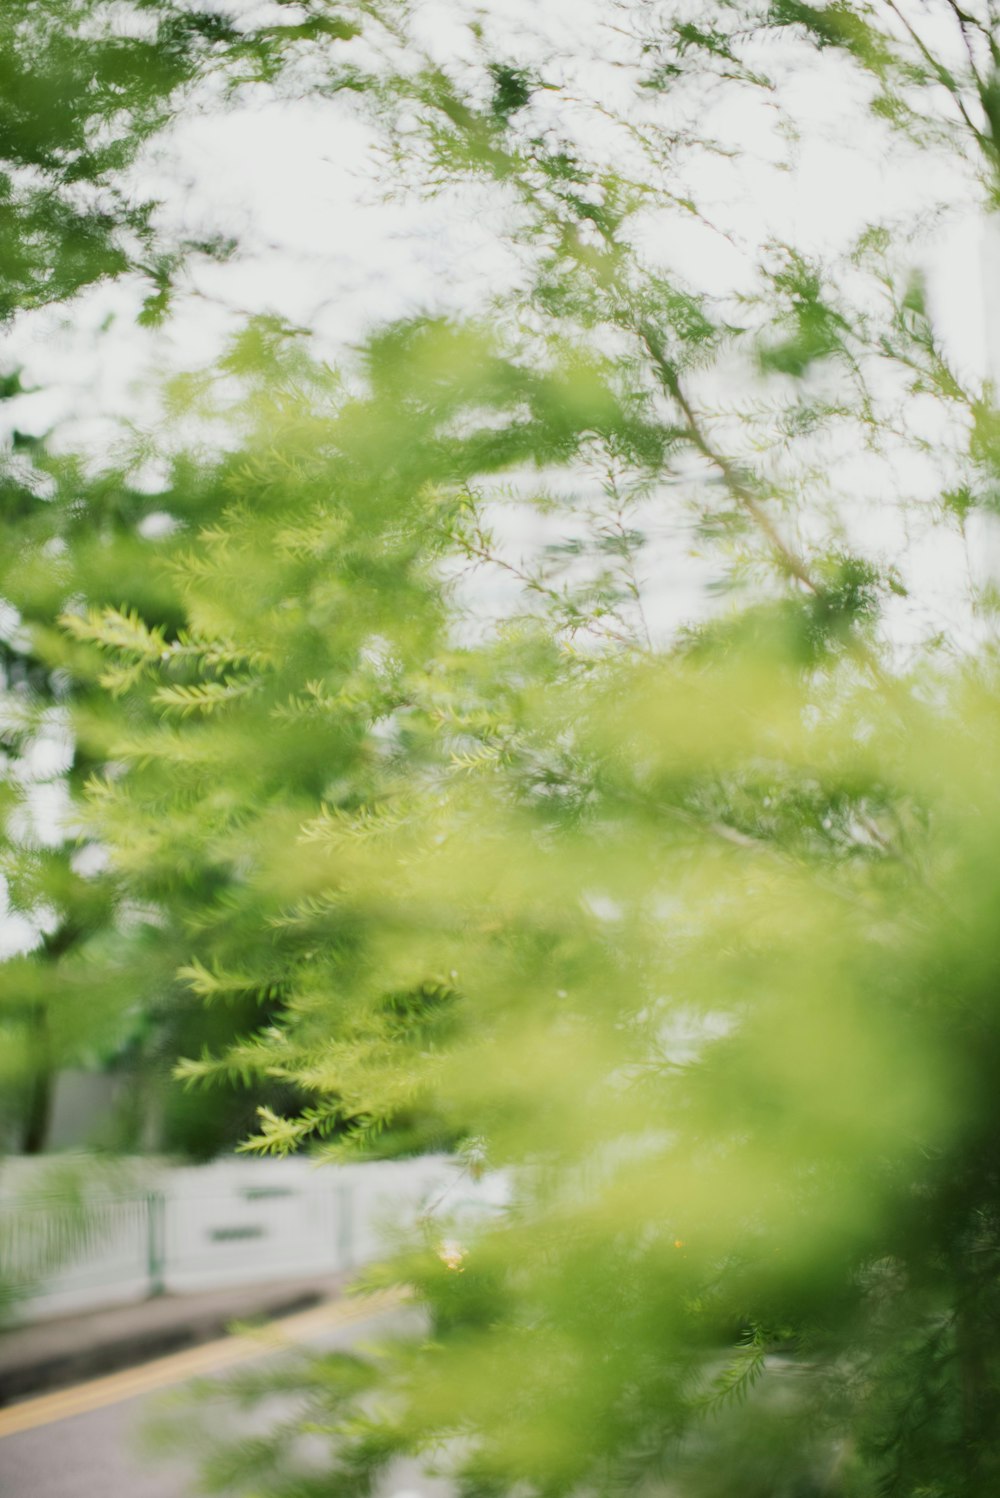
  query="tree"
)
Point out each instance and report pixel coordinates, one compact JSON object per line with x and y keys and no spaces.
{"x":690,"y":929}
{"x":85,"y":87}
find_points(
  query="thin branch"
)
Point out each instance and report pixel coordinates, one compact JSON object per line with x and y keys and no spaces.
{"x":479,"y":551}
{"x":943,"y":76}
{"x":965,"y":21}
{"x":740,"y":491}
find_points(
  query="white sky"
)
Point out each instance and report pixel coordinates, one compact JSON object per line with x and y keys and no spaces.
{"x":300,"y":183}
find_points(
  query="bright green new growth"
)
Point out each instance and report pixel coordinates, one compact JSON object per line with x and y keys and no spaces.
{"x":692,"y":931}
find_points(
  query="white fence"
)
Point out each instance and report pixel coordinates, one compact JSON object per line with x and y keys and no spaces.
{"x":234,"y":1222}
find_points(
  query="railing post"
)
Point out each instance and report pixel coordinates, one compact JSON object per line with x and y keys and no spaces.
{"x":155,"y":1241}
{"x":344,"y":1197}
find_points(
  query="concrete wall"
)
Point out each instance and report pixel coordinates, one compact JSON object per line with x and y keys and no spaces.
{"x":232,"y":1222}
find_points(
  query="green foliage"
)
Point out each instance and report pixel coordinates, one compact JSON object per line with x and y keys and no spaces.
{"x":690,"y":930}
{"x":695,"y":940}
{"x":83,"y":86}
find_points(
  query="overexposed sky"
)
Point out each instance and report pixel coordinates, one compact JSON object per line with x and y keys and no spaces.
{"x":301,"y":184}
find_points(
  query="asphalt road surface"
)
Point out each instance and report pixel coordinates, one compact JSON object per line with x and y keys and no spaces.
{"x":84,"y":1442}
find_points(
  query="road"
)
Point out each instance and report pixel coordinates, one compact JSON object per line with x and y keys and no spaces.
{"x":83,"y":1442}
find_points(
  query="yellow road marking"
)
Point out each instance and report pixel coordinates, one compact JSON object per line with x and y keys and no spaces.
{"x":206,"y":1358}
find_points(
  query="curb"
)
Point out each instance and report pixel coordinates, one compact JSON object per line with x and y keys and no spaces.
{"x":24,"y":1373}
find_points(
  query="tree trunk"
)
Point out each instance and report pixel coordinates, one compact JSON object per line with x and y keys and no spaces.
{"x":38,"y":1113}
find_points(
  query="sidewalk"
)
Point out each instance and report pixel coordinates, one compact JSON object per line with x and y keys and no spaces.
{"x":51,"y":1354}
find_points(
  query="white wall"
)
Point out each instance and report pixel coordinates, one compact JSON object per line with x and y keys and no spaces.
{"x":239,"y":1222}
